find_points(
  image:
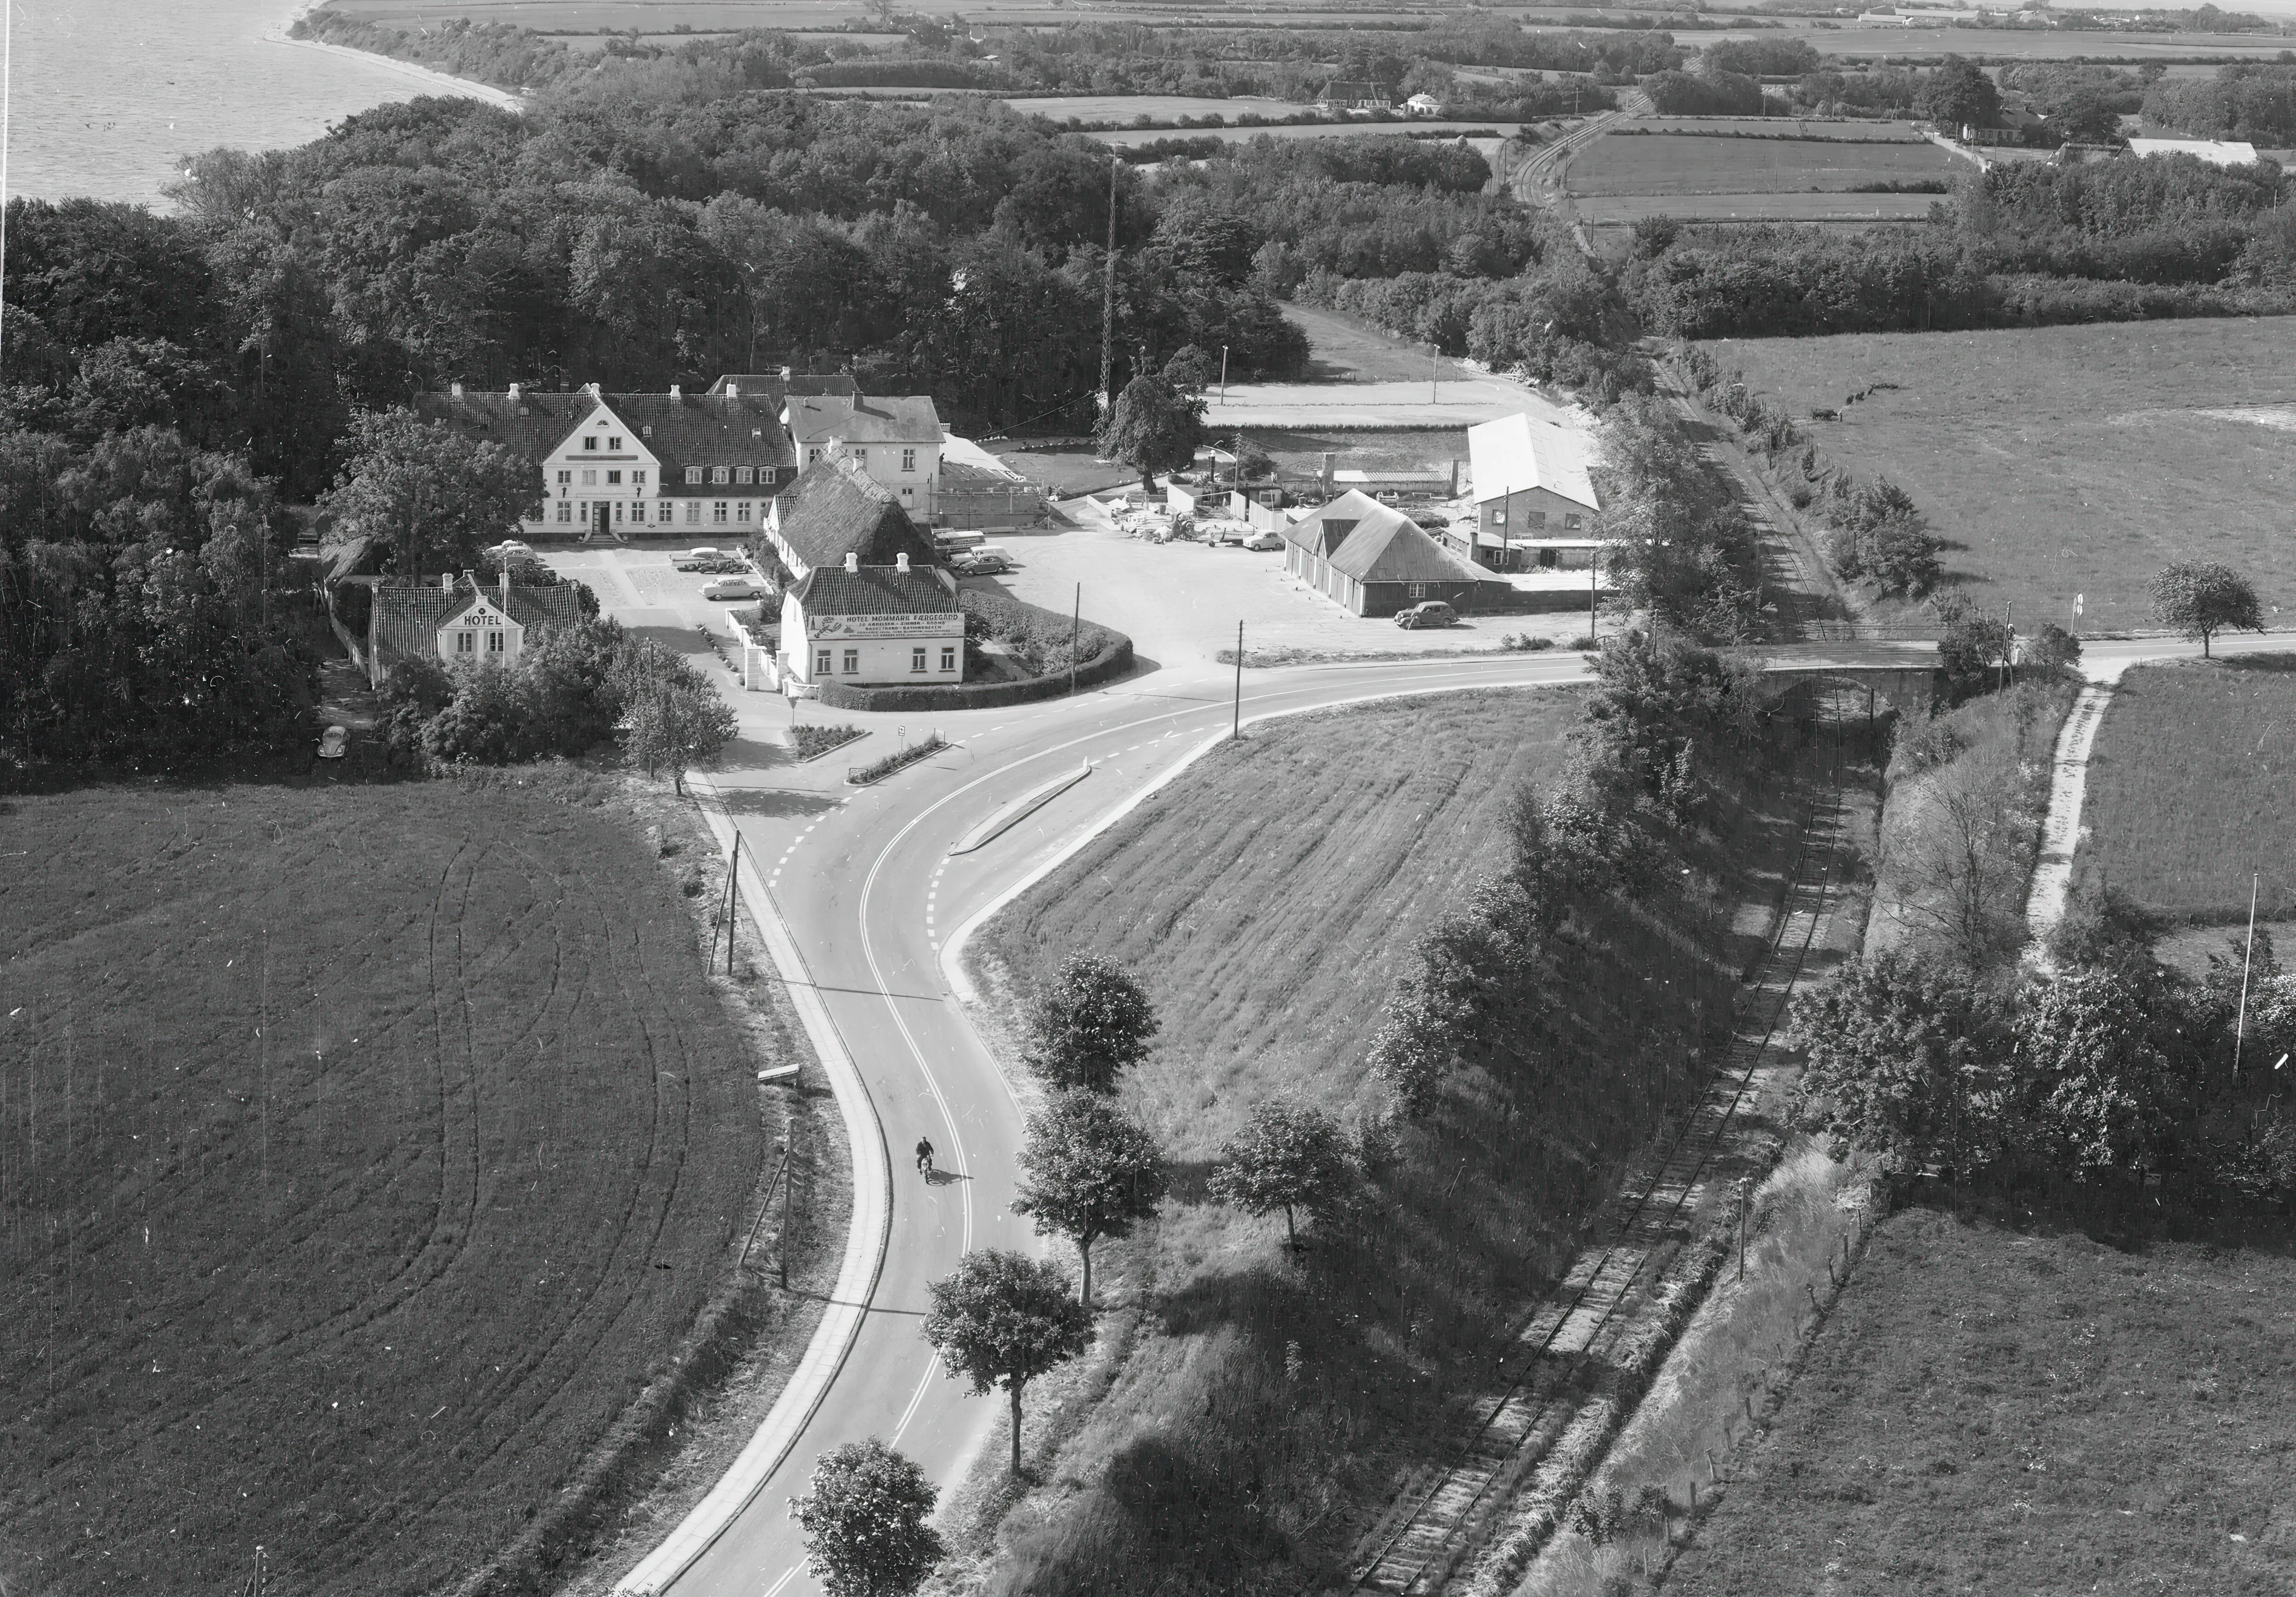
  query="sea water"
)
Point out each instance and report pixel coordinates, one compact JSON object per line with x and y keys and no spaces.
{"x":105,"y":97}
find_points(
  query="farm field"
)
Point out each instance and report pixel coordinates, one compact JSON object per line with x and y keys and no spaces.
{"x":1113,"y":108}
{"x":2066,"y":460}
{"x":2001,"y":1410}
{"x":1267,"y":900}
{"x":1840,"y":208}
{"x":2191,"y":787}
{"x":1845,"y":129}
{"x":364,"y":1150}
{"x":1666,"y":164}
{"x":1995,"y":45}
{"x":1127,"y":137}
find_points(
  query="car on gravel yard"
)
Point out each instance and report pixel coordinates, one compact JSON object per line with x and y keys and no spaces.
{"x":512,"y":549}
{"x":981,"y":562}
{"x":695,"y":560}
{"x":732,"y":588}
{"x":1430,"y":612}
{"x":1264,"y":540}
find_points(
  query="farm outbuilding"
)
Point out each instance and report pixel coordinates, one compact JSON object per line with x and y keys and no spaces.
{"x":1372,"y":559}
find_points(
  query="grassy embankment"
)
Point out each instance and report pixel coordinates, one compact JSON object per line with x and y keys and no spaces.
{"x":365,"y":1153}
{"x":2192,"y":788}
{"x":2064,"y":459}
{"x":2004,"y":1406}
{"x":1268,"y":899}
{"x":1968,"y":792}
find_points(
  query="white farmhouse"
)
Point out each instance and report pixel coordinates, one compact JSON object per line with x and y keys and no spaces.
{"x":866,"y":601}
{"x":622,"y":463}
{"x":897,"y":441}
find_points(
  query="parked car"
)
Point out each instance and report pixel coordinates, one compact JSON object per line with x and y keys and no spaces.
{"x":1264,"y":540}
{"x":1429,"y":612}
{"x":511,"y":549}
{"x":983,"y":562}
{"x":699,"y":560}
{"x":725,"y":565}
{"x":732,"y":588}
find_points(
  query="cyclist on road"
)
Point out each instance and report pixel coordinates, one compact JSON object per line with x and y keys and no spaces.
{"x":924,"y":1157}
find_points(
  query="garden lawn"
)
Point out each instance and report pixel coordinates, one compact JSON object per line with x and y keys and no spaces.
{"x":1267,"y":900}
{"x":1665,"y":164}
{"x":2066,"y":460}
{"x":363,"y":1150}
{"x":2031,"y":1412}
{"x":2192,"y":789}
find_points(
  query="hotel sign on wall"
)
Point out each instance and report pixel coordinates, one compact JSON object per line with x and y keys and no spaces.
{"x":948,"y":625}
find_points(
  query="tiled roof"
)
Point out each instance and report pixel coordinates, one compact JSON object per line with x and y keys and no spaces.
{"x":681,"y":430}
{"x":408,"y":612}
{"x":830,"y":512}
{"x":1522,"y":452}
{"x":858,"y":420}
{"x":1323,"y":532}
{"x":1397,"y":552}
{"x":873,"y":591}
{"x":784,"y":384}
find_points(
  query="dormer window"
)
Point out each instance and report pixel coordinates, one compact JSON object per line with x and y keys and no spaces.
{"x":721,"y":474}
{"x":693,"y":474}
{"x":646,"y":431}
{"x":742,"y":474}
{"x":590,"y":444}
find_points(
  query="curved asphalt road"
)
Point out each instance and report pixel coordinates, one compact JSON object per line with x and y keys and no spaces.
{"x":864,"y":882}
{"x":866,"y":886}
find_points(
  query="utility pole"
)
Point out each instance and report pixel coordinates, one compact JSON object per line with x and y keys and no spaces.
{"x":733,"y":900}
{"x":1075,"y":622}
{"x":1108,"y":298}
{"x":1434,"y":371}
{"x":1237,"y":732}
{"x":1594,"y":588}
{"x":2008,"y":641}
{"x":1223,"y":398}
{"x":2240,"y":1025}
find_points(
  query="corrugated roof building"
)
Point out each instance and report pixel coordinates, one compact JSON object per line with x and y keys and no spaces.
{"x":1534,"y":493}
{"x":1374,"y":560}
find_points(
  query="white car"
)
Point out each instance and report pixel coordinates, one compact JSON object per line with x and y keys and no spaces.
{"x":512,"y":549}
{"x":732,"y":588}
{"x":1263,"y":540}
{"x":694,"y":559}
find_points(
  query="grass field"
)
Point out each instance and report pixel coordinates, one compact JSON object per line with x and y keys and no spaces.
{"x":1267,"y":900}
{"x":1777,"y":127}
{"x":1664,"y":164}
{"x":2025,"y":1411}
{"x":2191,"y":787}
{"x":2066,"y":460}
{"x":364,"y":1150}
{"x":1123,"y":107}
{"x":1844,"y":209}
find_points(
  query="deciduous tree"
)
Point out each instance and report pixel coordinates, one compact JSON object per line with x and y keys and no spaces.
{"x":430,"y":494}
{"x":1001,"y":1321}
{"x":867,"y":1521}
{"x":1289,"y":1156}
{"x":1153,"y":427}
{"x":1090,"y":1021}
{"x":1088,"y":1172}
{"x":2201,"y":598}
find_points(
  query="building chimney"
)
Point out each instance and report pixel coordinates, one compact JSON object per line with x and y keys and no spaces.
{"x":513,"y":393}
{"x":852,"y":560}
{"x":590,"y":388}
{"x":674,"y":391}
{"x":732,"y":391}
{"x":901,"y":562}
{"x":785,"y":373}
{"x":1330,"y":460}
{"x":446,"y":582}
{"x":454,"y":389}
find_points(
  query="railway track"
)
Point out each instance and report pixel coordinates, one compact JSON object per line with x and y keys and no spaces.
{"x":1441,"y":1521}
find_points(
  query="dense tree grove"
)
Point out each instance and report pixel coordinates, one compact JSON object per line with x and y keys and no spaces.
{"x":2256,"y":102}
{"x":2018,"y":244}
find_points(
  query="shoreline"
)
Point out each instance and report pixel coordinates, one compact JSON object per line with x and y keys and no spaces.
{"x":438,"y":82}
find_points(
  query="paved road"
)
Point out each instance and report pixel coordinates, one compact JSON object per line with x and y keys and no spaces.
{"x":864,"y":879}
